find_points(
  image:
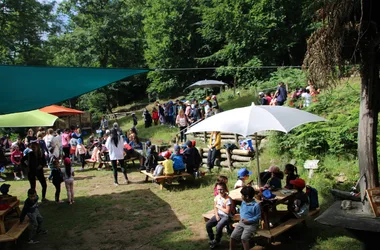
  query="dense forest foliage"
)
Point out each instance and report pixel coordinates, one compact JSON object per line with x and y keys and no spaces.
{"x":240,"y":42}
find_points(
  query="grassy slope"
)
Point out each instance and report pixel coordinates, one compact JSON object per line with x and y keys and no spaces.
{"x":139,"y":216}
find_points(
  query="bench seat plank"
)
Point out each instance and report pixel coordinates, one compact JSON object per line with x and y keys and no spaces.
{"x":5,"y":238}
{"x":164,"y":176}
{"x":161,"y":179}
{"x":17,"y":229}
{"x":273,"y":232}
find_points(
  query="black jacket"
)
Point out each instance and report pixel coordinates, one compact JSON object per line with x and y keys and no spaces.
{"x":29,"y":207}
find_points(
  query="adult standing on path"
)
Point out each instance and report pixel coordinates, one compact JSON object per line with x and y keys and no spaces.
{"x":103,"y":125}
{"x":215,"y":105}
{"x":281,"y":94}
{"x":182,"y":122}
{"x":214,"y":149}
{"x":35,"y":160}
{"x":115,"y":146}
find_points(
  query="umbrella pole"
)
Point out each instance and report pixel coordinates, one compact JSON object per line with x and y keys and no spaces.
{"x":257,"y":161}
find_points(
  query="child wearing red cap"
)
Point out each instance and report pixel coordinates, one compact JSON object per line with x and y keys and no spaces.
{"x":168,"y":164}
{"x":300,"y":207}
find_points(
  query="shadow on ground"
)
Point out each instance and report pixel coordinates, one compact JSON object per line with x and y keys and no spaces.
{"x":126,"y":220}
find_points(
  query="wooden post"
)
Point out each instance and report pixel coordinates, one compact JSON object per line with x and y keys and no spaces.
{"x":229,"y":160}
{"x":257,"y":161}
{"x":237,"y":140}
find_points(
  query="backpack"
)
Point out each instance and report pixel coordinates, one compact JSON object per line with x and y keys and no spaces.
{"x":312,"y":193}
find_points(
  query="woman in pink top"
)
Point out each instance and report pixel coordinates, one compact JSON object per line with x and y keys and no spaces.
{"x":181,"y":121}
{"x":65,"y":143}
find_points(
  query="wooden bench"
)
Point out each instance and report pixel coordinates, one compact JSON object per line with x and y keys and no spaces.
{"x":162,"y":178}
{"x":13,"y":206}
{"x":208,"y":215}
{"x":273,"y":232}
{"x":15,"y":231}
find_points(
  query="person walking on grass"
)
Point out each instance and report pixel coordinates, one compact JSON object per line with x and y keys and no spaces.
{"x":36,"y":162}
{"x":30,"y":209}
{"x":115,"y":146}
{"x":57,"y":177}
{"x":68,"y":177}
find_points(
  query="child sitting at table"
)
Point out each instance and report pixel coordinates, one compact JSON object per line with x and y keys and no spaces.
{"x":274,"y":182}
{"x":250,"y":215}
{"x":222,"y":208}
{"x":243,"y":175}
{"x":164,"y":167}
{"x":177,"y":158}
{"x":151,"y":158}
{"x":168,"y":164}
{"x":291,"y":172}
{"x":299,"y":207}
{"x":221,"y":178}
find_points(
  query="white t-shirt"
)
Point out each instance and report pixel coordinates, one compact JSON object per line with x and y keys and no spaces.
{"x":65,"y":177}
{"x":115,"y":152}
{"x":239,"y":183}
{"x":307,"y":98}
{"x":220,"y":201}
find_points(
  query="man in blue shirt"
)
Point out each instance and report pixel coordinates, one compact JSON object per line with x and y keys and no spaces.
{"x":250,"y":215}
{"x":281,"y":94}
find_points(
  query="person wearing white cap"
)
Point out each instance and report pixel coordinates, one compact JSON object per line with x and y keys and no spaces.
{"x":263,"y":100}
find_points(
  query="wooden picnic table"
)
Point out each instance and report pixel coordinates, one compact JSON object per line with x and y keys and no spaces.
{"x":15,"y":229}
{"x":282,"y":196}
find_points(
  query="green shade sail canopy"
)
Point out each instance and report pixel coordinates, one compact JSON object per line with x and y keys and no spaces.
{"x":25,"y":88}
{"x":34,"y":118}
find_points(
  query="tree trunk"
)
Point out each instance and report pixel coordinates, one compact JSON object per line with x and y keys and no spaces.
{"x":368,"y":121}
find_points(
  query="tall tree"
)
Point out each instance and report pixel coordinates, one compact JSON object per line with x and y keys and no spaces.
{"x":248,"y":33}
{"x":103,"y":34}
{"x":172,"y":42}
{"x":351,"y":33}
{"x":23,"y":27}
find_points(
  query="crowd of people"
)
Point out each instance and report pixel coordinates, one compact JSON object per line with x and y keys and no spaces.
{"x":181,"y":113}
{"x":299,"y":98}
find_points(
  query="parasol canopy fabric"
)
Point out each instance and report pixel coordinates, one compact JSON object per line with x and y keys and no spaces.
{"x":206,"y":84}
{"x":60,"y":110}
{"x":26,"y":88}
{"x":34,"y":118}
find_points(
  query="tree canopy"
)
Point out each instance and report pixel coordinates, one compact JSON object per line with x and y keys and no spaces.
{"x":233,"y":39}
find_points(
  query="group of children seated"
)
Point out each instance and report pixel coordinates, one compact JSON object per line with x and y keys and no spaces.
{"x":250,"y":209}
{"x":167,"y":163}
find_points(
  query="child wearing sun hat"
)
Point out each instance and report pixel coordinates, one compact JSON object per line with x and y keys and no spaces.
{"x":243,"y":175}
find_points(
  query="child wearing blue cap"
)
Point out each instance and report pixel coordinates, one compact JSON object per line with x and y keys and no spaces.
{"x":81,"y":151}
{"x":243,"y":175}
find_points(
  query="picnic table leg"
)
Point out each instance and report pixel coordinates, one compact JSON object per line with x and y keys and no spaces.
{"x":161,"y":184}
{"x":146,"y":178}
{"x":2,"y":226}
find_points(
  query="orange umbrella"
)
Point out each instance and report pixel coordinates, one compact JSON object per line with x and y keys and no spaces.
{"x":60,"y":110}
